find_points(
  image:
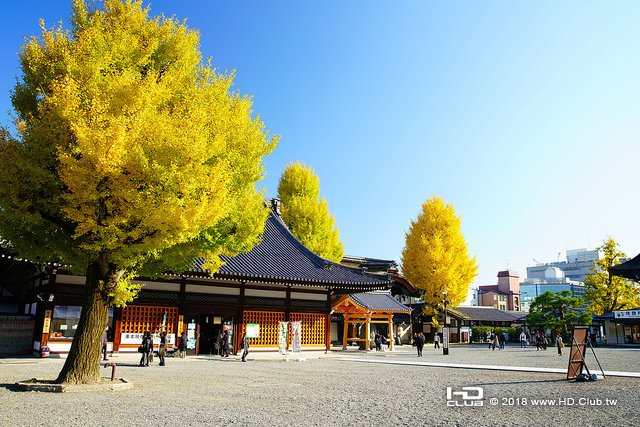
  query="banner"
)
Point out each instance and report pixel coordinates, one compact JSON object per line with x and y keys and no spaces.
{"x":296,"y":342}
{"x":283,"y":337}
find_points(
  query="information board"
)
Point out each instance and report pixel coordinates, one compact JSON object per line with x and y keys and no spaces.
{"x":253,"y":330}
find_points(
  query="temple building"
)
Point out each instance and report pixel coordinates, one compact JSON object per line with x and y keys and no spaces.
{"x":278,"y":280}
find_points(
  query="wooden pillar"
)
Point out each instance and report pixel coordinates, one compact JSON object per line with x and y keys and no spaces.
{"x":367,"y":342}
{"x":117,"y":329}
{"x":327,"y":332}
{"x":287,"y":310}
{"x":391,"y":337}
{"x":239,"y":325}
{"x":327,"y":324}
{"x":346,"y":331}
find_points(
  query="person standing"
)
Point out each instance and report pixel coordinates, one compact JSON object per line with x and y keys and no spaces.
{"x":503,"y":339}
{"x":244,"y":345}
{"x":225,"y":344}
{"x":496,"y":342}
{"x":523,"y":340}
{"x":183,"y":345}
{"x":559,"y":344}
{"x":162,"y":348}
{"x":436,"y":341}
{"x":419,"y":340}
{"x":376,"y":341}
{"x":147,"y":346}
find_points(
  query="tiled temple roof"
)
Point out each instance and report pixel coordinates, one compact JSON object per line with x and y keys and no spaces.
{"x":379,"y":302}
{"x":281,"y":258}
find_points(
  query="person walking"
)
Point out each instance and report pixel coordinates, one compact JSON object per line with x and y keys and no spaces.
{"x":162,"y":348}
{"x":523,"y":340}
{"x":419,"y":340}
{"x":538,"y":341}
{"x":147,"y":347}
{"x":545,"y":342}
{"x":528,"y":335}
{"x":436,"y":341}
{"x":559,"y":344}
{"x":503,"y":340}
{"x":244,"y":345}
{"x":104,"y":344}
{"x":225,"y":344}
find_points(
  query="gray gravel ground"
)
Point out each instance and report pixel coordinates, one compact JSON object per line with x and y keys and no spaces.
{"x":329,"y":391}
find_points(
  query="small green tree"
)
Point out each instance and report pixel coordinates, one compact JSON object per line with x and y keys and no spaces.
{"x":558,"y":311}
{"x":604,"y":292}
{"x":306,"y":214}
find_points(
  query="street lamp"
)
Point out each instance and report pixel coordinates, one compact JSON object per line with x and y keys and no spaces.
{"x":445,"y":330}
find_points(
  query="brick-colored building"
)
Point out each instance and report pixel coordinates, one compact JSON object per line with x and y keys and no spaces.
{"x":503,"y":296}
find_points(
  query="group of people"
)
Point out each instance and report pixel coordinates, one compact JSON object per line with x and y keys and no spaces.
{"x":379,"y":340}
{"x":146,"y":348}
{"x":495,"y":341}
{"x":419,"y":341}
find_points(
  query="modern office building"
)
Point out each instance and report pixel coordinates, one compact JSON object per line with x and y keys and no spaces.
{"x":553,"y":280}
{"x":576,"y":267}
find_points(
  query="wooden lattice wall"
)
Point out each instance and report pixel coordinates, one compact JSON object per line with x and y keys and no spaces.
{"x":313,"y":327}
{"x":268,"y":321}
{"x":139,"y":319}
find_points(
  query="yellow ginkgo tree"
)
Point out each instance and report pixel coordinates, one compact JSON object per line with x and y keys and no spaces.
{"x":435,"y":257}
{"x":129,"y":154}
{"x":306,"y":214}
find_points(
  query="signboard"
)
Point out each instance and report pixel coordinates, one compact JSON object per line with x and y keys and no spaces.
{"x":283,"y":337}
{"x":296,"y":341}
{"x":627,"y":314}
{"x":252,"y":330}
{"x":180,"y":323}
{"x":578,"y":349}
{"x":445,"y":337}
{"x":46,"y":325}
{"x":131,"y":338}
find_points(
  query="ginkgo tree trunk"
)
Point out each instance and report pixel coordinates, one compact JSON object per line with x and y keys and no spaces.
{"x":129,"y":155}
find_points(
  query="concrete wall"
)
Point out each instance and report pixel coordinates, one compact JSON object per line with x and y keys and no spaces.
{"x":16,"y":335}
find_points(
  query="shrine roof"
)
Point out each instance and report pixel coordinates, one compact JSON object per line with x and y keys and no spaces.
{"x":281,"y":258}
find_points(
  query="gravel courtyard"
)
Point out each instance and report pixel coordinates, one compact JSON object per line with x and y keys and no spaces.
{"x":331,"y":390}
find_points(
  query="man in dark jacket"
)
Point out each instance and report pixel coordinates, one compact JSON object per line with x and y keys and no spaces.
{"x":225,"y":343}
{"x":244,"y":345}
{"x":419,"y":340}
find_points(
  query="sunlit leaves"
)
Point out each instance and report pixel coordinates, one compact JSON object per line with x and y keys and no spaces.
{"x":129,"y":148}
{"x":606,"y":293}
{"x":306,"y":214}
{"x":435,"y":256}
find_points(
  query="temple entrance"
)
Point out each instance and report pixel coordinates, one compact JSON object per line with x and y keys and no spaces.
{"x":210,"y":330}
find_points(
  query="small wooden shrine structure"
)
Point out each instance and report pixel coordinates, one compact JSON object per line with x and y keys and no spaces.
{"x":367,"y":308}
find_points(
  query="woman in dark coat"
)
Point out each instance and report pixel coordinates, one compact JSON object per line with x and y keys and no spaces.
{"x":162,"y":348}
{"x":147,"y":347}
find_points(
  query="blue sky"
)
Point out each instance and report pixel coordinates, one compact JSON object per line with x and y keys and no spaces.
{"x":524,"y":115}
